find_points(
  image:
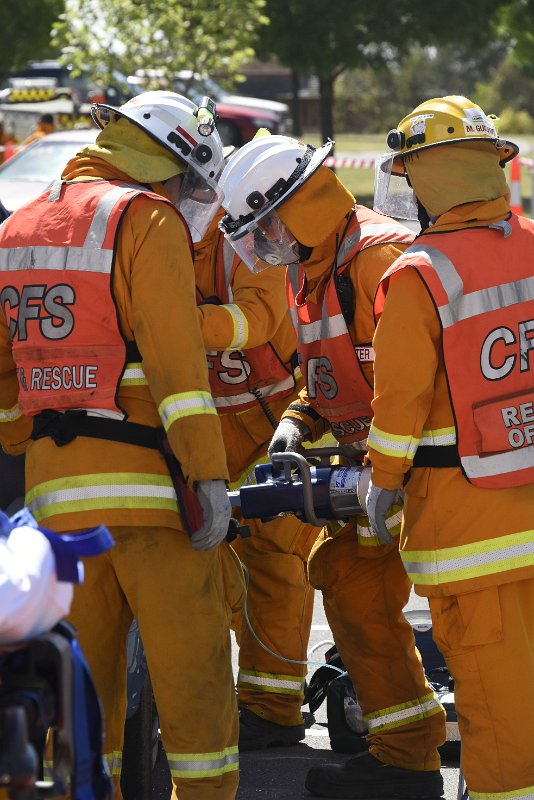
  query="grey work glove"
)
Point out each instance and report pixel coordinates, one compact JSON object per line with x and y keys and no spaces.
{"x":217,"y":511}
{"x":288,"y":436}
{"x":377,"y":504}
{"x":354,"y":450}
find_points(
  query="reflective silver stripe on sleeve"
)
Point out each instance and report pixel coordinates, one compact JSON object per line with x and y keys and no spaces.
{"x":240,"y":323}
{"x":10,"y":414}
{"x":185,"y":404}
{"x":438,"y":438}
{"x":246,"y":397}
{"x":60,"y":258}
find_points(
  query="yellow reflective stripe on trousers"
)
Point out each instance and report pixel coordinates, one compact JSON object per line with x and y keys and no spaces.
{"x":405,"y":713}
{"x":114,"y":490}
{"x":365,"y":533}
{"x":517,"y":794}
{"x":133,"y":375}
{"x":467,"y":561}
{"x":203,"y":765}
{"x":185,"y":404}
{"x":10,"y":414}
{"x":392,"y":444}
{"x":240,"y":323}
{"x":114,"y":761}
{"x":270,"y":682}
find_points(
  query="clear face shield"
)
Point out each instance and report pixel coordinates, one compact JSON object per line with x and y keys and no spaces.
{"x":198,"y":203}
{"x":264,"y":242}
{"x":393,"y":195}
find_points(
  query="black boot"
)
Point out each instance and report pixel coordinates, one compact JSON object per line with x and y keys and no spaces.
{"x":366,"y":778}
{"x":256,"y":733}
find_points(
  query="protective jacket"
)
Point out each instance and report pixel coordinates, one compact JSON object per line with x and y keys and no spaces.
{"x":490,"y":382}
{"x":240,"y":379}
{"x":337,"y":387}
{"x":468,"y":537}
{"x":244,"y":320}
{"x":149,"y":268}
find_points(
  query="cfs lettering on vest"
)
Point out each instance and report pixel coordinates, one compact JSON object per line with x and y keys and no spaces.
{"x":37,"y":302}
{"x":504,"y":350}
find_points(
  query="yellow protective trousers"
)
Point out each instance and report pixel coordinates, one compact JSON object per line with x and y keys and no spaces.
{"x":487,"y":638}
{"x":364,"y":592}
{"x":280,"y":609}
{"x":183,"y":602}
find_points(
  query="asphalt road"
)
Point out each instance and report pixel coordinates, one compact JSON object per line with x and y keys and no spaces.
{"x":279,"y":773}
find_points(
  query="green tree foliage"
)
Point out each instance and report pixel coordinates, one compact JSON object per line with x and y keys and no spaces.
{"x":370,"y":100}
{"x":314,"y":39}
{"x":25,"y":31}
{"x":515,"y":21}
{"x":206,"y":36}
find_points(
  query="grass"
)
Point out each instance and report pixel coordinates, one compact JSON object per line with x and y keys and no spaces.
{"x":361,"y":181}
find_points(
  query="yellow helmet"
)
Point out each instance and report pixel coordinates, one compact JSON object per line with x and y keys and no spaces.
{"x":445,"y":120}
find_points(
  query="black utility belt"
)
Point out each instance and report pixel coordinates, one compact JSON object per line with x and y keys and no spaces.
{"x":437,"y":456}
{"x":64,"y":428}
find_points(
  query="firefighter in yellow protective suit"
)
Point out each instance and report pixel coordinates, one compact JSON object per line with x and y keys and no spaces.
{"x":285,"y":207}
{"x":251,"y":351}
{"x":125,"y":431}
{"x":453,"y":421}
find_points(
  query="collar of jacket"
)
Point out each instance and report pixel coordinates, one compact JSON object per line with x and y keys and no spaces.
{"x":85,"y":168}
{"x":471,"y":215}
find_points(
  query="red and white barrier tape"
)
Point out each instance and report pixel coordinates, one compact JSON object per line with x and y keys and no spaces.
{"x":369,"y":163}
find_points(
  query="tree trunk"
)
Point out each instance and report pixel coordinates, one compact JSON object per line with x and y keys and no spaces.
{"x":295,"y":104}
{"x":326,"y":106}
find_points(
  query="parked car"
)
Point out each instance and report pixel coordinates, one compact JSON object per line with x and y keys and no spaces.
{"x":35,"y":167}
{"x":50,"y":74}
{"x":240,"y":116}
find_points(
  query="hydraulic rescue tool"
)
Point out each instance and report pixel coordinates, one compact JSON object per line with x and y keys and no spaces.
{"x":308,"y":486}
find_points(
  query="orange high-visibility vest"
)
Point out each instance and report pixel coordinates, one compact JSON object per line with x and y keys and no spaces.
{"x":239,"y":378}
{"x":330,"y":361}
{"x":56,"y":262}
{"x":482,"y":285}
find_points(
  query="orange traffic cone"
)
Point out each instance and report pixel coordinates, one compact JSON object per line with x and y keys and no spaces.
{"x":516,"y":203}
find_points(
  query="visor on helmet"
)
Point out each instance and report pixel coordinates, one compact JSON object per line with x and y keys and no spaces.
{"x":262,"y":243}
{"x":198,"y":203}
{"x":393,"y":196}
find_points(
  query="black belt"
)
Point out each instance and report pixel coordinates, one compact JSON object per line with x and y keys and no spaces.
{"x":64,"y":428}
{"x":437,"y":456}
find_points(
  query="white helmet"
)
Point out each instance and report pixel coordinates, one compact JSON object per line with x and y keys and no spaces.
{"x":261,"y":176}
{"x":188,"y":132}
